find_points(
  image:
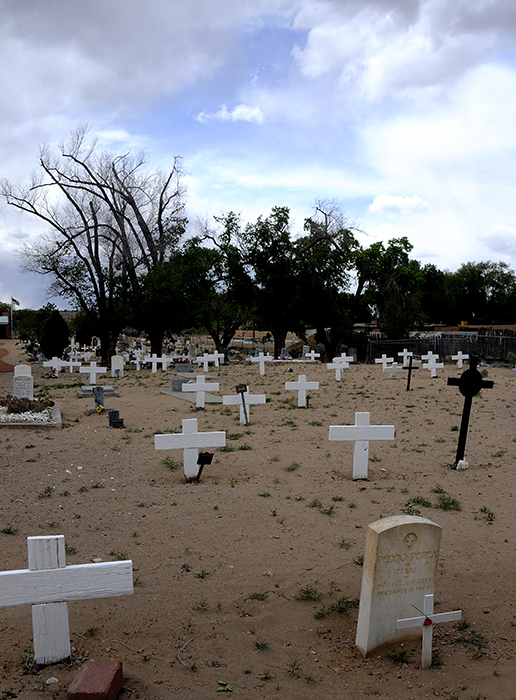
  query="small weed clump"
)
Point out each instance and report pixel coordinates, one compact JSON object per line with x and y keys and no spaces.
{"x":308,"y":593}
{"x":342,"y":606}
{"x":488,"y":515}
{"x":170,"y":463}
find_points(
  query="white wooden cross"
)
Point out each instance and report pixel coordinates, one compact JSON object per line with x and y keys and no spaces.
{"x":384,"y":360}
{"x":138,"y":358}
{"x":405,"y":355}
{"x":427,"y":620}
{"x":205,"y":360}
{"x":338,"y":367}
{"x":154,"y":360}
{"x":201,"y":387}
{"x":344,"y":360}
{"x":312,"y":355}
{"x":393,"y":370}
{"x":58,"y":364}
{"x":48,"y":584}
{"x":460,"y":356}
{"x":262,"y":359}
{"x":249,"y":399}
{"x":92,"y":370}
{"x":189,"y":441}
{"x":301,"y":387}
{"x":362,"y":432}
{"x":216,"y":358}
{"x":431,"y":364}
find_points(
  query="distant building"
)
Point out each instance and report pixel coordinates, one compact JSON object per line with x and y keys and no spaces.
{"x":5,"y":330}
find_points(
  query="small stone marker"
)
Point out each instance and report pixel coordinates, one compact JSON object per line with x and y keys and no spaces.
{"x":244,"y":399}
{"x":361,"y":433}
{"x":190,"y":440}
{"x":97,"y":680}
{"x":426,"y":621}
{"x":48,"y":584}
{"x":460,"y":356}
{"x":431,"y":363}
{"x":284,"y":354}
{"x":470,"y":383}
{"x":98,"y":396}
{"x":301,"y":386}
{"x":400,"y":567}
{"x":201,"y":387}
{"x":92,"y":370}
{"x":23,"y":386}
{"x":384,"y":360}
{"x":262,"y":359}
{"x":117,"y":366}
{"x":393,"y":370}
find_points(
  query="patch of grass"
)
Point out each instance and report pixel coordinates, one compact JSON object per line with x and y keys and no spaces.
{"x":337,"y":499}
{"x":344,"y":544}
{"x":9,"y":530}
{"x":420,"y":501}
{"x":265,"y":494}
{"x":83,"y":489}
{"x":92,"y":631}
{"x":98,"y":485}
{"x":447,"y":502}
{"x":454,"y":428}
{"x":227,"y":448}
{"x":234,"y":436}
{"x":170,"y":463}
{"x":245,"y":446}
{"x":410,"y":509}
{"x":294,"y":668}
{"x":487,"y":514}
{"x":316,"y":503}
{"x":375,"y":458}
{"x":308,"y":593}
{"x":47,"y":492}
{"x":398,"y":656}
{"x":327,"y":511}
{"x":342,"y":606}
{"x":258,"y":596}
{"x":121,"y":556}
{"x":359,"y":561}
{"x":292,"y":467}
{"x":202,"y":605}
{"x":261,"y":645}
{"x":202,"y":574}
{"x":266,"y":676}
{"x":317,"y":423}
{"x":69,"y":549}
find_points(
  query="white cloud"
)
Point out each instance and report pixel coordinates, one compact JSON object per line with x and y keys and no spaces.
{"x":390,"y":203}
{"x":240,"y":113}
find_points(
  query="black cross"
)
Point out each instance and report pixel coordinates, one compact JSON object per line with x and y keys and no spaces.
{"x":410,"y":370}
{"x":470,"y":383}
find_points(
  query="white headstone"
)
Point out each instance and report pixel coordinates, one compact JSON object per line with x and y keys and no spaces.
{"x":301,"y":386}
{"x":23,"y":371}
{"x":361,"y":433}
{"x":23,"y":386}
{"x":400,"y":568}
{"x":190,"y":440}
{"x":48,"y":584}
{"x":117,"y":366}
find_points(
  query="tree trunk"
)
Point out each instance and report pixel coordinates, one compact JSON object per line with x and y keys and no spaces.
{"x":280,"y":337}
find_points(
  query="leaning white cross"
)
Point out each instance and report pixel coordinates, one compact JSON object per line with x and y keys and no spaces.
{"x":92,"y":370}
{"x":344,"y":360}
{"x":393,"y":370}
{"x":201,"y":387}
{"x":460,"y":356}
{"x":427,"y":620}
{"x":262,"y":359}
{"x":48,"y":584}
{"x":431,"y":364}
{"x":384,"y":360}
{"x":405,"y":355}
{"x":301,"y":386}
{"x":190,"y":440}
{"x":244,"y":400}
{"x":361,"y":433}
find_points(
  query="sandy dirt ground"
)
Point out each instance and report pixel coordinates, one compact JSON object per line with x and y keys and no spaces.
{"x":220,"y":566}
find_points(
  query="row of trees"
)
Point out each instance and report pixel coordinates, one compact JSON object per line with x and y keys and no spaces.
{"x":115,"y":245}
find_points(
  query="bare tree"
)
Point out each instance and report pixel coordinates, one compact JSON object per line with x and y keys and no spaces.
{"x":109,"y":221}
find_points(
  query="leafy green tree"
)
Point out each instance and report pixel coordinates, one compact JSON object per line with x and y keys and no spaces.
{"x":484,"y":292}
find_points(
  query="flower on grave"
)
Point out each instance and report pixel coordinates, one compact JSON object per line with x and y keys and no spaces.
{"x":100,"y":408}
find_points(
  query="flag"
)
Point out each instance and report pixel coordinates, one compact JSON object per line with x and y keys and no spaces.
{"x":14,"y":302}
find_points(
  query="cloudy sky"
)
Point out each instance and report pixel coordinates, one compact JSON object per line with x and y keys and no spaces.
{"x":403,"y":111}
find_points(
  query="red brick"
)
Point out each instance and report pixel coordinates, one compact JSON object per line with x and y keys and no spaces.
{"x":97,"y":680}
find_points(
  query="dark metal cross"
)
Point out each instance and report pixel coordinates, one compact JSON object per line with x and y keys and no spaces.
{"x":470,"y":383}
{"x":410,"y":370}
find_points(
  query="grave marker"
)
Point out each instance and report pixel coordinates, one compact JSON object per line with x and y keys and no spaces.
{"x":301,"y":386}
{"x":400,"y":567}
{"x":361,"y":433}
{"x":405,"y":354}
{"x":244,"y":399}
{"x":460,"y":356}
{"x":431,"y":365}
{"x":410,"y":369}
{"x":338,"y":367}
{"x":262,"y":359}
{"x":201,"y":387}
{"x":48,"y":584}
{"x":117,"y":366}
{"x":190,"y":440}
{"x":23,"y":382}
{"x":312,"y":355}
{"x":384,"y":360}
{"x":154,"y":361}
{"x":92,"y":370}
{"x":58,"y":364}
{"x":426,"y":621}
{"x":23,"y":371}
{"x":393,"y":370}
{"x":470,"y":383}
